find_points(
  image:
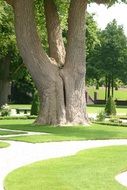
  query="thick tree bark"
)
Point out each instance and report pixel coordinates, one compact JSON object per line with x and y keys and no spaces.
{"x":61,"y":91}
{"x":74,"y":70}
{"x":43,"y":70}
{"x":56,"y":44}
{"x":52,"y":108}
{"x":4,"y":81}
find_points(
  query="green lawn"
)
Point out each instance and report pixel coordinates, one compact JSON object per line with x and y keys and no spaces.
{"x":3,"y":144}
{"x":120,"y":94}
{"x":99,"y":108}
{"x":93,"y":169}
{"x":95,"y":131}
{"x":90,"y":108}
{"x":14,"y":106}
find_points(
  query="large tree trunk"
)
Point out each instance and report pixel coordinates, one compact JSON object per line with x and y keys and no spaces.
{"x":4,"y":81}
{"x":52,"y":108}
{"x":74,"y":70}
{"x":42,"y":69}
{"x":61,"y":91}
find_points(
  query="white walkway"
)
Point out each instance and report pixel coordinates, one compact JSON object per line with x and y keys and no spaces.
{"x":20,"y":153}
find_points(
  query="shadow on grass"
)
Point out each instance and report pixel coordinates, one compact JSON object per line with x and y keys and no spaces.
{"x":95,"y":131}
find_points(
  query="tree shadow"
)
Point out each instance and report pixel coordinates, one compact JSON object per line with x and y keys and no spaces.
{"x":79,"y":132}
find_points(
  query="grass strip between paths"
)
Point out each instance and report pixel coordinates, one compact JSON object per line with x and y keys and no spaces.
{"x":2,"y":132}
{"x":4,"y":144}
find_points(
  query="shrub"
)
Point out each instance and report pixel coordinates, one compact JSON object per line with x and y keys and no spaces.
{"x":5,"y":110}
{"x":35,"y":104}
{"x":114,"y":119}
{"x":101,"y":116}
{"x":110,"y":108}
{"x":97,"y":86}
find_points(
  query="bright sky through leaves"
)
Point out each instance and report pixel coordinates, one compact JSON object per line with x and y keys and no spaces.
{"x":104,"y":15}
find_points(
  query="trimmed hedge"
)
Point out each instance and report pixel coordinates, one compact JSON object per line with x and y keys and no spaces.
{"x":110,"y":108}
{"x":17,"y":117}
{"x":111,"y":124}
{"x":35,"y":104}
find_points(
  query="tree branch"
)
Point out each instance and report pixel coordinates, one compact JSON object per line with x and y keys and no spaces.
{"x":10,"y":2}
{"x":56,"y":44}
{"x":34,"y":56}
{"x":106,"y":2}
{"x":76,"y":34}
{"x":17,"y":69}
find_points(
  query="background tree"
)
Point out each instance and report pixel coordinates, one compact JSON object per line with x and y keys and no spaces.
{"x":14,"y":77}
{"x":113,"y":54}
{"x":92,"y":42}
{"x":109,"y":57}
{"x":7,"y":47}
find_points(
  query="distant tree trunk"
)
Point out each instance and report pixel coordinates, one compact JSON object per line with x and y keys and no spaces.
{"x":97,"y":84}
{"x":112,"y":86}
{"x":109,"y":85}
{"x":4,"y":80}
{"x":106,"y":84}
{"x":61,"y":91}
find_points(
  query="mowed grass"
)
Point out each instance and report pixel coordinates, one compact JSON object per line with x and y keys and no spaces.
{"x":120,"y":94}
{"x":98,"y":108}
{"x":20,"y":106}
{"x":3,"y":144}
{"x":90,"y":108}
{"x":94,"y":131}
{"x":93,"y":169}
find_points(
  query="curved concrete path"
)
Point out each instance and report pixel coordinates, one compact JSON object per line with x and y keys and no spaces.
{"x":21,"y":153}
